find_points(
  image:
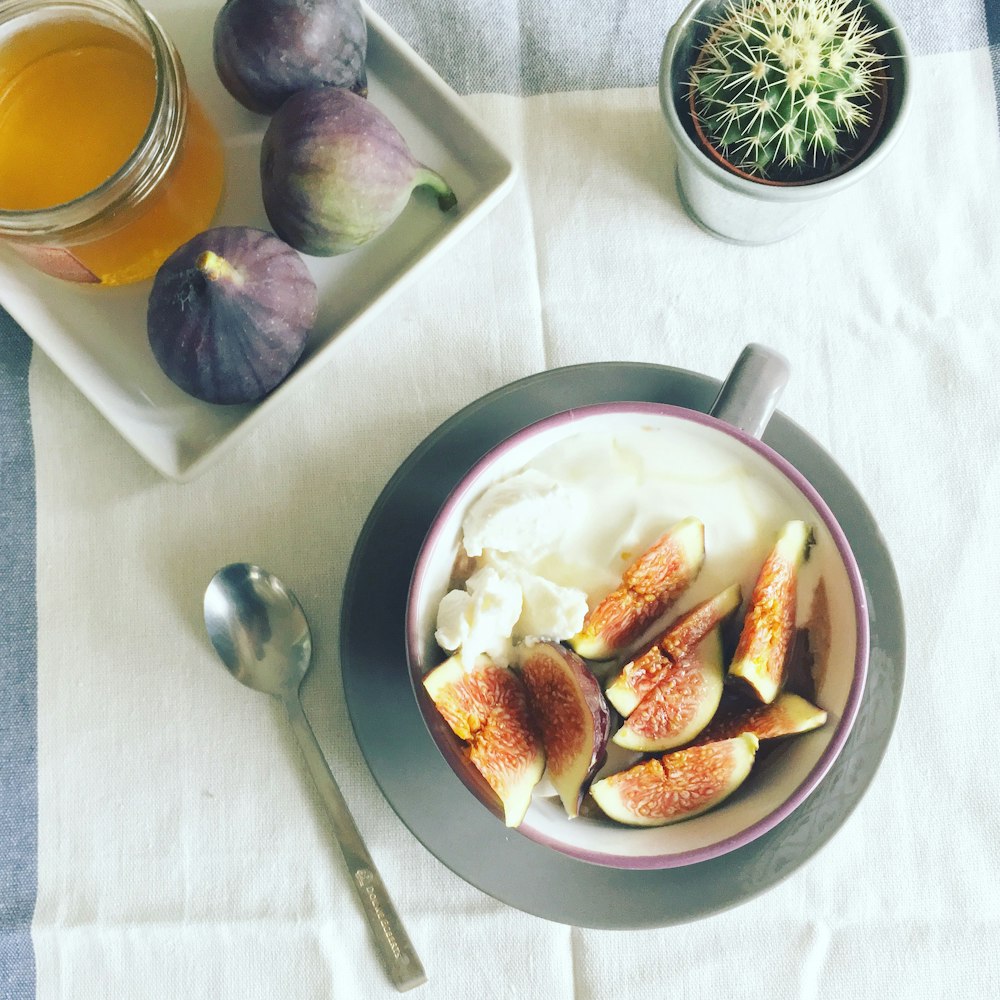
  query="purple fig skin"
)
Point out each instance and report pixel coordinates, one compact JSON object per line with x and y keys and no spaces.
{"x":229,"y":314}
{"x":267,"y":50}
{"x":335,"y":172}
{"x":570,"y":778}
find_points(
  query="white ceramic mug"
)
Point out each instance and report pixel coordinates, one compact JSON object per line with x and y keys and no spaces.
{"x":714,"y":466}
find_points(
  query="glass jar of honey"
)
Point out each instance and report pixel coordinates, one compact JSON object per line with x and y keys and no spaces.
{"x":107,"y":163}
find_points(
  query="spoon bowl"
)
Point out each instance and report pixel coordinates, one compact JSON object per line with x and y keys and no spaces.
{"x":258,"y":628}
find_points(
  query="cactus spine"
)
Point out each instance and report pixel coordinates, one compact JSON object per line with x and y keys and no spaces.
{"x":782,"y":87}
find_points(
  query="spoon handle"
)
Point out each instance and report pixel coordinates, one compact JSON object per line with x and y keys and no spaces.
{"x":393,"y":943}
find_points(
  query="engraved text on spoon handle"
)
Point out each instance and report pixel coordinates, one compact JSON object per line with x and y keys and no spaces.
{"x":391,"y":938}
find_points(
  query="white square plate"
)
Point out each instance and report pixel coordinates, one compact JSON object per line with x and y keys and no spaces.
{"x":97,"y":337}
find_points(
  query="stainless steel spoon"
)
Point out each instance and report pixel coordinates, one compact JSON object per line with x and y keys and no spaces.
{"x":260,"y":631}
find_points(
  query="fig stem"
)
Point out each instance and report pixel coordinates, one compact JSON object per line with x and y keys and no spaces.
{"x":445,"y":196}
{"x":215,"y":267}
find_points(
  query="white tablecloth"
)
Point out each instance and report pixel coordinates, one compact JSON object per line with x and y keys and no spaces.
{"x":159,"y":837}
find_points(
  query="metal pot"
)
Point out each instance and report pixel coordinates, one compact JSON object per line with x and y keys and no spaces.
{"x":740,"y":209}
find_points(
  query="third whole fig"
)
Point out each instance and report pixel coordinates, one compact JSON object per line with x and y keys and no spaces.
{"x":229,"y":314}
{"x":335,"y":172}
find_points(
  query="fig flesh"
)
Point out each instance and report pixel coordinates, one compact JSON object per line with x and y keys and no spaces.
{"x":266,"y":50}
{"x":769,"y":624}
{"x":487,"y":707}
{"x":649,"y":587}
{"x":681,"y":703}
{"x":788,"y":715}
{"x":639,"y":676}
{"x":335,"y":172}
{"x":229,"y":314}
{"x":678,"y":785}
{"x":571,"y":713}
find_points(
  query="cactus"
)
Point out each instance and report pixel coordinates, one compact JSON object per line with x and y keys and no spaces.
{"x":783,"y":88}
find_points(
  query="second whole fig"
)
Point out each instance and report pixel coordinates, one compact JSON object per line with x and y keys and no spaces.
{"x":335,"y":172}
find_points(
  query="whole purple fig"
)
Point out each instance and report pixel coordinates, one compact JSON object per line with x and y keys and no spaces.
{"x":335,"y":172}
{"x":266,"y":50}
{"x":229,"y":313}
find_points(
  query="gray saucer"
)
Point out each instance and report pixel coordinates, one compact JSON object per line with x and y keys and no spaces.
{"x":426,"y":793}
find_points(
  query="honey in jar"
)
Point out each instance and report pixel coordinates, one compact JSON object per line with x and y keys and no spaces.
{"x":107,"y":164}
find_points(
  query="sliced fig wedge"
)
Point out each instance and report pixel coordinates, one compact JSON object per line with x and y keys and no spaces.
{"x":649,"y":586}
{"x":487,"y":707}
{"x":680,"y":704}
{"x":571,"y":712}
{"x":788,"y":715}
{"x":769,"y":624}
{"x":678,"y":785}
{"x":639,"y":676}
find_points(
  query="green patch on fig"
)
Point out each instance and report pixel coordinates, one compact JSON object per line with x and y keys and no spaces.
{"x":335,"y":172}
{"x":678,"y":785}
{"x":769,"y":624}
{"x":229,"y":314}
{"x":487,"y":707}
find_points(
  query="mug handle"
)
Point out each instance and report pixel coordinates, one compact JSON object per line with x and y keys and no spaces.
{"x":751,"y":390}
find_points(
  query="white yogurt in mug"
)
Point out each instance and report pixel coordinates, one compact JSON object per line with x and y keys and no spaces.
{"x":553,"y":538}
